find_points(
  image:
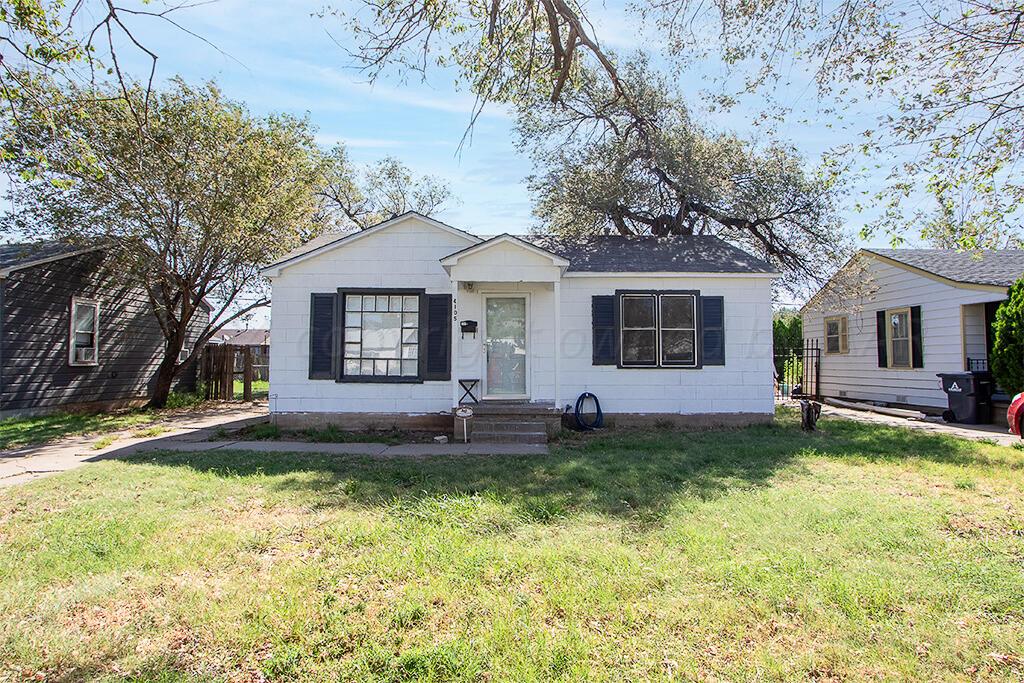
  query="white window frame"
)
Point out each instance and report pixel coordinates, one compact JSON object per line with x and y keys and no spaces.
{"x":889,"y":338}
{"x":72,"y":348}
{"x":659,"y":362}
{"x":661,"y":330}
{"x":183,"y":354}
{"x":623,"y":329}
{"x":843,"y":335}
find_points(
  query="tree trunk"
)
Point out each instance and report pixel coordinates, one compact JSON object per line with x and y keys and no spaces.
{"x":164,"y":378}
{"x":168,"y":369}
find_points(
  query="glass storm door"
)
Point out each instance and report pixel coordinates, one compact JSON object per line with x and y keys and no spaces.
{"x":505,"y":346}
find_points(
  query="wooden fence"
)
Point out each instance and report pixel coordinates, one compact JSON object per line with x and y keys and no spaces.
{"x":219,"y":369}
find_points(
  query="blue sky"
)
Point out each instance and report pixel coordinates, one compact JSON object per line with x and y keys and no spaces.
{"x":279,"y":57}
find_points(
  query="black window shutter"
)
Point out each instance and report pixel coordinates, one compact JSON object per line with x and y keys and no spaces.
{"x":883,"y":356}
{"x":321,"y":336}
{"x":606,"y":333}
{"x":438,"y":327}
{"x":712,"y":310}
{"x":916,"y":346}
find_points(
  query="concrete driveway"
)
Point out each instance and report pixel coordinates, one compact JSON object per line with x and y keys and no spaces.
{"x":20,"y":465}
{"x":936,"y":426}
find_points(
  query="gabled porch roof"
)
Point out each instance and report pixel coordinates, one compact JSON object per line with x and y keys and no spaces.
{"x":505,"y":258}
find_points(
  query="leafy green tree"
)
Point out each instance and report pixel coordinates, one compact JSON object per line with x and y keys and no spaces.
{"x":787,"y":337}
{"x":356,"y":197}
{"x":190,"y":205}
{"x":71,"y":43}
{"x":598,"y":173}
{"x":943,"y":77}
{"x":1007,"y":358}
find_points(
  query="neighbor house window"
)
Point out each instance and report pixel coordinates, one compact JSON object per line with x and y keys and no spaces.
{"x":658,"y":330}
{"x":84,"y":336}
{"x":898,"y":333}
{"x":183,"y":354}
{"x":381,"y":336}
{"x":836,"y":334}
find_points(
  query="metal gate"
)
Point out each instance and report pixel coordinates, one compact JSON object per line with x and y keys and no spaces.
{"x":798,"y":372}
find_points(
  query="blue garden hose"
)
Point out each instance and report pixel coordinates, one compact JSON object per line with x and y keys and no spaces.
{"x":598,"y":417}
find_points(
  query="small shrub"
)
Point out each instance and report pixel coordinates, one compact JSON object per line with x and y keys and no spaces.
{"x":1007,"y":358}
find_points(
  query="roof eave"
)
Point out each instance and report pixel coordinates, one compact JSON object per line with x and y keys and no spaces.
{"x":4,"y":272}
{"x":451,"y":259}
{"x":961,"y":284}
{"x":274,"y":269}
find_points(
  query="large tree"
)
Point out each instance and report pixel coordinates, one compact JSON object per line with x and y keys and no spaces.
{"x":599,"y":172}
{"x":189,"y":205}
{"x":74,"y":43}
{"x":946,"y":76}
{"x":359,"y":197}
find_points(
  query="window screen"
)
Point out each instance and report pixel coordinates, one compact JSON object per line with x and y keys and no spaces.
{"x":84,"y":342}
{"x":899,"y":338}
{"x":678,"y":329}
{"x":658,"y":329}
{"x":639,"y":330}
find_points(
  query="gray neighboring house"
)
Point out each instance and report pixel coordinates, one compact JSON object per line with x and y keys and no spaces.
{"x":891,"y":319}
{"x":71,"y":337}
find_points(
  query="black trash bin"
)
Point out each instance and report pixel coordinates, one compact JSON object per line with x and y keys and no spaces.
{"x":969,"y":395}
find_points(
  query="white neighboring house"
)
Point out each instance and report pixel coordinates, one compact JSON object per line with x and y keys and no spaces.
{"x":376,"y":328}
{"x":891,"y":319}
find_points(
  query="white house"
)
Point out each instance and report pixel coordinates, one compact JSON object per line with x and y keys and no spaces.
{"x":400,"y":323}
{"x":892,"y":318}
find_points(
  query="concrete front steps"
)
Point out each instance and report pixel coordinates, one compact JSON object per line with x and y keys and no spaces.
{"x":510,"y":422}
{"x":508,"y":431}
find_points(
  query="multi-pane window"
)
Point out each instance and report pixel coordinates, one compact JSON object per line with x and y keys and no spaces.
{"x":899,"y":338}
{"x":84,"y":337}
{"x":659,"y":330}
{"x":381,"y":335}
{"x":836,"y":335}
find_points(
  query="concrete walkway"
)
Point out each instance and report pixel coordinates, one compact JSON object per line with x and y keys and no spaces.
{"x":20,"y":465}
{"x":192,"y":431}
{"x":934,"y":425}
{"x":375,"y":449}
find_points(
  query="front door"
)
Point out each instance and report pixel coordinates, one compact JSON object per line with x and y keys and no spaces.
{"x":505,"y":347}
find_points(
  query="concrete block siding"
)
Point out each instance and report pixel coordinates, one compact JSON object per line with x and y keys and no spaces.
{"x":408,"y":255}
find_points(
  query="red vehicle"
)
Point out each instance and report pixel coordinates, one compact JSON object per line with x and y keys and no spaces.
{"x":1015,"y":415}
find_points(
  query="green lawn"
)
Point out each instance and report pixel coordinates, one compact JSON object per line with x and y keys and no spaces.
{"x":17,"y":432}
{"x":858,"y":552}
{"x":260,"y":389}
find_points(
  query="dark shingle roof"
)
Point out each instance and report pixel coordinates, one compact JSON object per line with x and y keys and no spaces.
{"x":27,"y":253}
{"x":677,"y":254}
{"x":1000,"y":267}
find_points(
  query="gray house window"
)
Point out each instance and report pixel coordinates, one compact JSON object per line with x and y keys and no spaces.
{"x":84,"y":334}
